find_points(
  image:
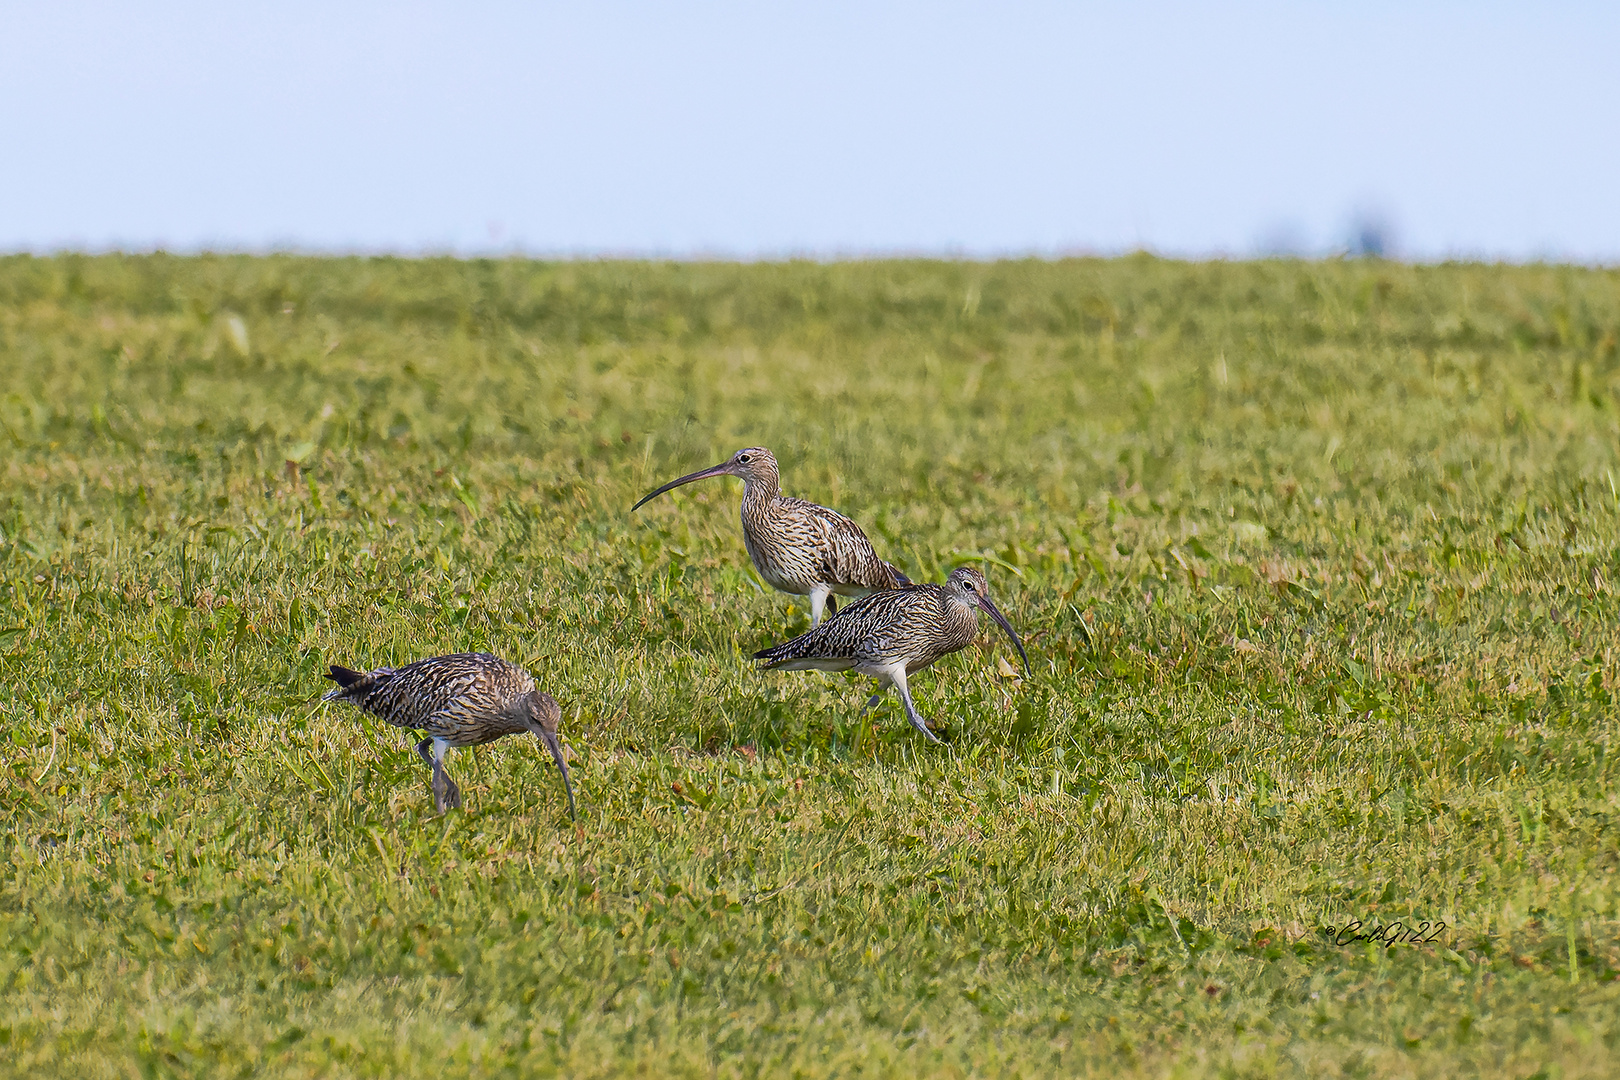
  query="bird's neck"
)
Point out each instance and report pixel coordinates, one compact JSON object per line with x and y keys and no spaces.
{"x":761,"y":492}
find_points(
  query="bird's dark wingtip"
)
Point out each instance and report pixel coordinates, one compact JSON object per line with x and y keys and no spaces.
{"x":343,"y":676}
{"x":899,"y":578}
{"x":774,"y":655}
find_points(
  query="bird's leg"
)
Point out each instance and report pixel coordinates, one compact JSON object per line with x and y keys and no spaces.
{"x":897,"y":677}
{"x":818,"y":600}
{"x":424,"y":750}
{"x":446,"y":793}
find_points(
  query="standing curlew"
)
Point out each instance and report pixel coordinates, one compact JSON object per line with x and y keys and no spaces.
{"x":464,"y":699}
{"x":797,"y":546}
{"x":891,"y":635}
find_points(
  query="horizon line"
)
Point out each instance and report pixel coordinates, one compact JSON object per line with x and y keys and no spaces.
{"x":715,"y":256}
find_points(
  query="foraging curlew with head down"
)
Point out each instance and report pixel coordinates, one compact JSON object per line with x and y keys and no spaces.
{"x":797,"y":546}
{"x":463,"y":699}
{"x":895,"y":634}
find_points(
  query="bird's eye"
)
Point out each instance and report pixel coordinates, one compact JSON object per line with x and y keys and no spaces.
{"x":742,"y":459}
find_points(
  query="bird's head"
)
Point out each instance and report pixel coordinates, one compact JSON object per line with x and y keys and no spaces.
{"x":753,"y":463}
{"x":968,"y":585}
{"x":541,"y":715}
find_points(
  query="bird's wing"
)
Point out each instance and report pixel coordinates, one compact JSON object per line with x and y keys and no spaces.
{"x":847,"y":556}
{"x":503,"y":679}
{"x":868,"y":629}
{"x":416,"y":693}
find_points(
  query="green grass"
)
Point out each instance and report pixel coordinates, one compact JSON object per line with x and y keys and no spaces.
{"x":1345,"y":535}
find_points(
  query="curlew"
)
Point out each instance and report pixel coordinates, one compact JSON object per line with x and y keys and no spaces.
{"x":463,"y":699}
{"x":797,"y":546}
{"x":893,"y":635}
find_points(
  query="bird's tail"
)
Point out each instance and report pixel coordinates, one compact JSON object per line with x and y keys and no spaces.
{"x":899,"y":578}
{"x":792,"y":656}
{"x":352,"y":684}
{"x":808,"y":650}
{"x":783,"y":653}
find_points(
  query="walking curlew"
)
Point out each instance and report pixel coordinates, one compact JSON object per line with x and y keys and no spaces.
{"x":797,"y":546}
{"x":463,"y":699}
{"x":895,"y":634}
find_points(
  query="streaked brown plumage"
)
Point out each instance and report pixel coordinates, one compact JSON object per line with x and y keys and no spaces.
{"x":463,"y":699}
{"x":797,"y":546}
{"x":891,"y":635}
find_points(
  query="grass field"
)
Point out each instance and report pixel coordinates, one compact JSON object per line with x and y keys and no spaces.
{"x":1316,"y":563}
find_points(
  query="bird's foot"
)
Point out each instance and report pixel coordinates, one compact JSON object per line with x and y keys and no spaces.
{"x":923,"y":726}
{"x":446,"y":792}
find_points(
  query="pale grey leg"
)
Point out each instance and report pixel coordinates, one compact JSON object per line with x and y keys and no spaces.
{"x":446,"y":793}
{"x":818,"y":600}
{"x":897,"y":677}
{"x":871,"y":702}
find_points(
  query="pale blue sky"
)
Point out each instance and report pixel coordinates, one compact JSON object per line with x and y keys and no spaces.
{"x":1470,"y":129}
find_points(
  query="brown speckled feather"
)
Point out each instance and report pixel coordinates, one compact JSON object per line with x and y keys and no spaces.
{"x":896,"y":633}
{"x":798,"y":546}
{"x":463,"y":699}
{"x":914,"y":625}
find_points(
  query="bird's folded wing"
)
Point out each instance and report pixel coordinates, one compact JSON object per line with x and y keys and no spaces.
{"x":848,"y":557}
{"x":867,"y":629}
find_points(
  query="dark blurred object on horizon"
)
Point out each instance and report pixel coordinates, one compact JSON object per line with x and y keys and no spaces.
{"x":1372,"y":234}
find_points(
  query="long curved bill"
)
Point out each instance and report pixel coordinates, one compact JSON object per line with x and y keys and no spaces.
{"x":1001,"y":620}
{"x":722,"y":469}
{"x":550,"y":739}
